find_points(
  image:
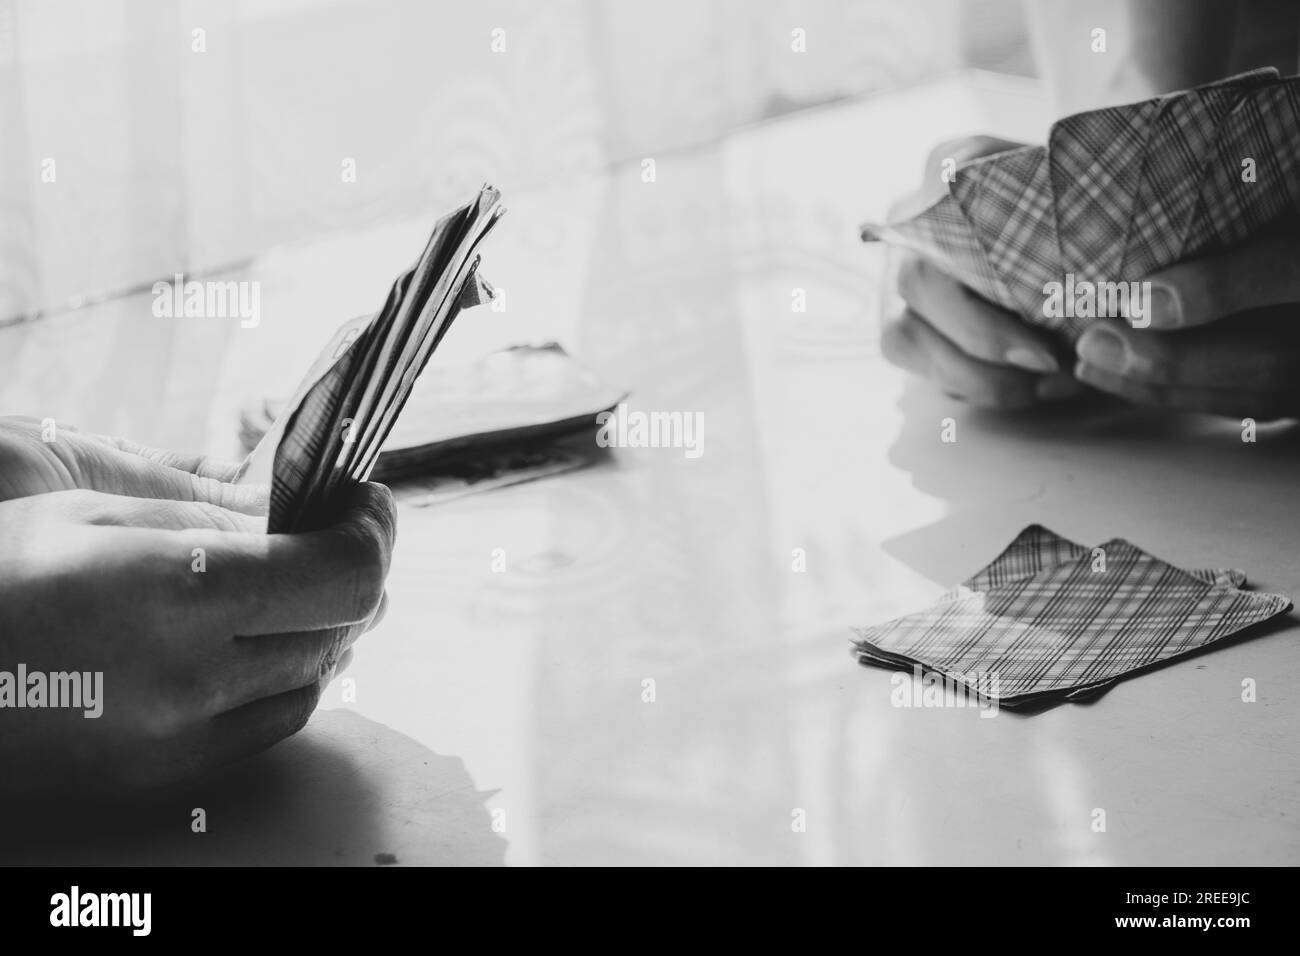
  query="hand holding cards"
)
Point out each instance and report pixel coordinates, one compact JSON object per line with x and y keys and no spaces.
{"x":330,"y":433}
{"x":1115,"y":195}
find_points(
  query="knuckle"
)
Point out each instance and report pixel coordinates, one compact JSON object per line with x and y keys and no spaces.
{"x":375,"y":619}
{"x":219,"y":517}
{"x":301,"y":706}
{"x":332,"y":649}
{"x":206,"y":490}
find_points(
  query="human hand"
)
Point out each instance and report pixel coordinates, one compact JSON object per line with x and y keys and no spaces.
{"x":964,"y":344}
{"x":37,"y":457}
{"x":1223,"y":336}
{"x":213,"y":638}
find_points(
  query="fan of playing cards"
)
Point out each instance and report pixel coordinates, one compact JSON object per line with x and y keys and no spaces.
{"x":330,"y":433}
{"x":1116,"y":194}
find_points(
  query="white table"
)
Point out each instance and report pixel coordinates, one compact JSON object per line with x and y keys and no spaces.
{"x":516,"y":698}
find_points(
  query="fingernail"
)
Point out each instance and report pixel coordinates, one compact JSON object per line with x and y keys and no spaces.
{"x":1164,"y":309}
{"x":1102,"y":347}
{"x":1031,"y":360}
{"x":1056,"y":387}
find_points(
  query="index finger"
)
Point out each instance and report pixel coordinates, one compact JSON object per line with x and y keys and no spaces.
{"x":979,"y":328}
{"x":204,"y":466}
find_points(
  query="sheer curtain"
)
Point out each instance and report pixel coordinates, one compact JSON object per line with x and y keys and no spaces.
{"x":139,"y":138}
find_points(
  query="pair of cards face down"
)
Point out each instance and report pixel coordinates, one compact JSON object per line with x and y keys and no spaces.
{"x":1051,"y":620}
{"x":331,"y":431}
{"x":1115,"y":195}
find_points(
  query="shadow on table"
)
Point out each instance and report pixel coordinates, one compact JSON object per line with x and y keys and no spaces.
{"x":1092,"y":470}
{"x":344,"y":792}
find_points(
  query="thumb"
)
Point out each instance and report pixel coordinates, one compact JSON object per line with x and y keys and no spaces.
{"x":1260,"y":273}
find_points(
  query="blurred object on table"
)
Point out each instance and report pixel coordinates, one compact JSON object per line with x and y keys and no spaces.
{"x":485,"y":424}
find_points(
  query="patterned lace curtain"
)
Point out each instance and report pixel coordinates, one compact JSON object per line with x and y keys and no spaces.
{"x":139,"y":138}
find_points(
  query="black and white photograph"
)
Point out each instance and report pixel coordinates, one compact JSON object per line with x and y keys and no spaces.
{"x":693,"y":433}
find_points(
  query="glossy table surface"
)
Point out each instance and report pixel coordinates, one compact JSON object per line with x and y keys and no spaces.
{"x":501,"y":717}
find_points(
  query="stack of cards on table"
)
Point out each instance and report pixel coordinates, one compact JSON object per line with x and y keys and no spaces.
{"x":329,"y":434}
{"x":1050,"y":620}
{"x":480,"y":420}
{"x":1115,"y":195}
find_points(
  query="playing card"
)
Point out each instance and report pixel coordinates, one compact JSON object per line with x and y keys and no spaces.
{"x":517,"y":399}
{"x":1069,"y":627}
{"x":258,"y":467}
{"x":1172,"y":171}
{"x":943,"y":236}
{"x":1251,"y":179}
{"x":1096,"y":164}
{"x":1007,"y":200}
{"x":372,"y":383}
{"x":1036,"y":548}
{"x":312,"y":431}
{"x":367,"y":376}
{"x":364,"y":461}
{"x":496,"y":469}
{"x":459,"y":417}
{"x":447,"y":265}
{"x":425,"y":337}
